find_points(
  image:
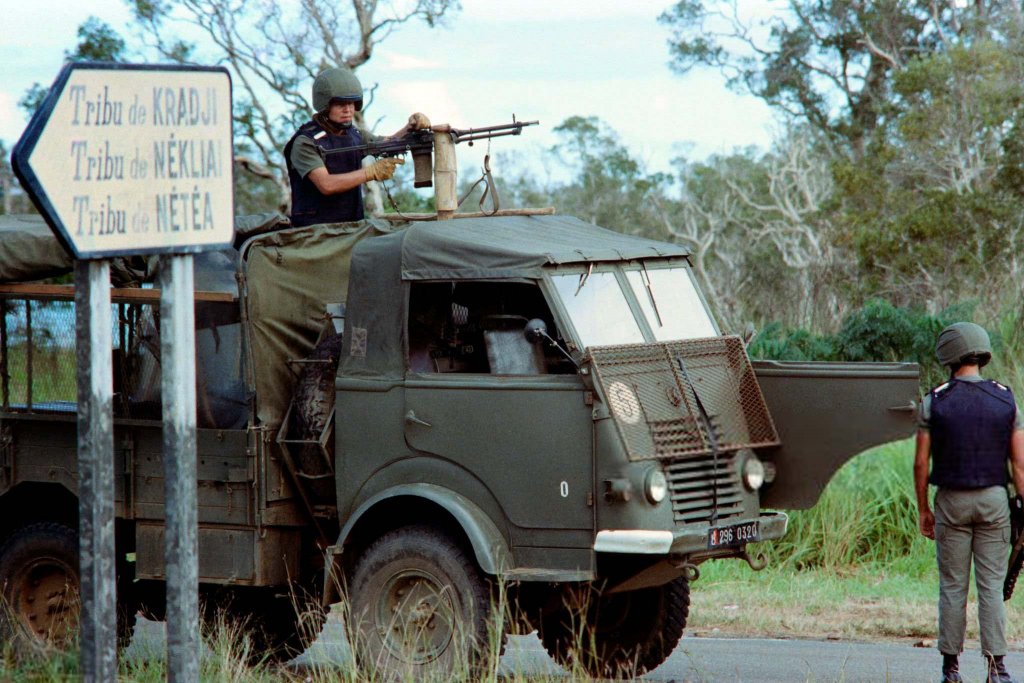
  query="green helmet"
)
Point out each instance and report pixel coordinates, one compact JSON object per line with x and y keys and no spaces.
{"x":960,"y":340}
{"x":336,"y":84}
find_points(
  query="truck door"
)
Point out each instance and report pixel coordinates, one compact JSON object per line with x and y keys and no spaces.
{"x":480,"y":396}
{"x":825,"y":414}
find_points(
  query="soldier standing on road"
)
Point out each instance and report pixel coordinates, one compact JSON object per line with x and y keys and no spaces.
{"x":326,"y":187}
{"x":969,"y":428}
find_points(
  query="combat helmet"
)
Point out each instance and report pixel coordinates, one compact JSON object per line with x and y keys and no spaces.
{"x":960,"y":340}
{"x":336,"y":84}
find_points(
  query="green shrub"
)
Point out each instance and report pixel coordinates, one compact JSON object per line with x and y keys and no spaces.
{"x":879,"y":331}
{"x":778,"y":343}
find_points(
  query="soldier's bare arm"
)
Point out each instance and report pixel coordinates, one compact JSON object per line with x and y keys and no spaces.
{"x":922,"y":453}
{"x":1017,"y":460}
{"x":333,"y":183}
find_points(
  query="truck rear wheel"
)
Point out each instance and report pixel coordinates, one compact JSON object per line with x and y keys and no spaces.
{"x":39,"y":587}
{"x":420,"y":607}
{"x":623,"y":634}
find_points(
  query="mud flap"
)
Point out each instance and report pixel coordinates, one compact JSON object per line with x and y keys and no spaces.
{"x":825,"y":414}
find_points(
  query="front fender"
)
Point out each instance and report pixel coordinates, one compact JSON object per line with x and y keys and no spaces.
{"x":489,"y":546}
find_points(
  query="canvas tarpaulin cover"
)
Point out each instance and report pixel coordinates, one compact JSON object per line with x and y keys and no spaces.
{"x":290,"y":277}
{"x":516,"y":246}
{"x":29,"y":250}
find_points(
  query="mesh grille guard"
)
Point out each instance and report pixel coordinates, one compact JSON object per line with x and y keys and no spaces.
{"x":650,"y":392}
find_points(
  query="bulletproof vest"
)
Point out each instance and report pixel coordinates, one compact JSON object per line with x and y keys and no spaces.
{"x":971,"y":425}
{"x":309,"y":205}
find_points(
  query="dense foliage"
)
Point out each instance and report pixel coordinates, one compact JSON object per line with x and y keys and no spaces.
{"x":878,"y":331}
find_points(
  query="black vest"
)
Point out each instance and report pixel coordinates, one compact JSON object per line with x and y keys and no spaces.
{"x":971,"y":425}
{"x":309,"y":205}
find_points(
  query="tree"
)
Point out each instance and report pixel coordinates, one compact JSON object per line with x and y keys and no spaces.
{"x":917,"y":103}
{"x":273,"y":54}
{"x":758,"y":229}
{"x":932,"y":208}
{"x":97,"y":42}
{"x":827,"y":63}
{"x":610,"y":188}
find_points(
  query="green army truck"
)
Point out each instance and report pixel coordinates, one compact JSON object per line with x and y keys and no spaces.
{"x":419,"y":419}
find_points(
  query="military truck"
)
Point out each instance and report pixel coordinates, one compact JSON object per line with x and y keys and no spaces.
{"x":430,"y":420}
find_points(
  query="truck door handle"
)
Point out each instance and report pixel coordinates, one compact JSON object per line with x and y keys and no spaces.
{"x":908,"y":408}
{"x":411,"y":418}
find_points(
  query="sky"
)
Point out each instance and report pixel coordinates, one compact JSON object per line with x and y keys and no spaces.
{"x":541,"y":60}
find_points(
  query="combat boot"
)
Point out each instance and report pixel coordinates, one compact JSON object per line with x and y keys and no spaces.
{"x":951,"y":669}
{"x":997,"y":672}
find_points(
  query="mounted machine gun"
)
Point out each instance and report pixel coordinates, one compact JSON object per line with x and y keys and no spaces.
{"x":433,"y":157}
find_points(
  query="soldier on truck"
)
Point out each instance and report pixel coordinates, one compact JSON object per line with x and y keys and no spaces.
{"x":326,"y":188}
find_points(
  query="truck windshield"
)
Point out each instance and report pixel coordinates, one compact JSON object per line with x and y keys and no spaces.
{"x":598,"y":308}
{"x":671,"y":304}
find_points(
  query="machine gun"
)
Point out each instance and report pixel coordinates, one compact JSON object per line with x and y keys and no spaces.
{"x":420,"y":143}
{"x":1017,"y":547}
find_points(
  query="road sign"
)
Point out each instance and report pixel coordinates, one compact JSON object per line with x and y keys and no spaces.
{"x":133,"y":159}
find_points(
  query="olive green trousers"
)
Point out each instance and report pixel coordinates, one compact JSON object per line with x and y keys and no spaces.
{"x":972,"y":524}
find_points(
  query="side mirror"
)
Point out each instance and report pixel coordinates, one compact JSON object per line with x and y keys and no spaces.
{"x":536,"y":331}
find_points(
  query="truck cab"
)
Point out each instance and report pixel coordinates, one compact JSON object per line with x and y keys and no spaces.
{"x":561,"y":396}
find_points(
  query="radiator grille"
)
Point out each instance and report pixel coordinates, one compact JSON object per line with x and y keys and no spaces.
{"x":690,"y":484}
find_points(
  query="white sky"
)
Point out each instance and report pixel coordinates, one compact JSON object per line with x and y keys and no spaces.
{"x":538,"y":59}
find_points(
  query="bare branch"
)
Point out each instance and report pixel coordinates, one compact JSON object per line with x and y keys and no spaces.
{"x":273,"y":51}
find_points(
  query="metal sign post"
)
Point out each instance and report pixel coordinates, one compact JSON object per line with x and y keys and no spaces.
{"x":178,"y":380}
{"x":128,"y":159}
{"x":98,"y":638}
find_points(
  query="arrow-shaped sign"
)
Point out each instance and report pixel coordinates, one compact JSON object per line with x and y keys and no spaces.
{"x":128,"y":158}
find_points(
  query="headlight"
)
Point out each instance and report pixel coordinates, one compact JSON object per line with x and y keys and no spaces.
{"x":753,"y":473}
{"x":656,"y":486}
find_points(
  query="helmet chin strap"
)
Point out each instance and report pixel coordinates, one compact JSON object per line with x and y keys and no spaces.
{"x":331,"y":127}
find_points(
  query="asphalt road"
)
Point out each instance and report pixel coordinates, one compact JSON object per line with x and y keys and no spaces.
{"x":695,"y":660}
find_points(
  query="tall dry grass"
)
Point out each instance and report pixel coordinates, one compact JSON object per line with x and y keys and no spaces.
{"x":867,"y":515}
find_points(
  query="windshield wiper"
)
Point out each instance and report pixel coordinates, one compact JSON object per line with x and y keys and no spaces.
{"x":583,"y":279}
{"x":650,"y":292}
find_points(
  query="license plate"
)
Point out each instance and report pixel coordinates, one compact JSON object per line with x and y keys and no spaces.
{"x":734,"y":534}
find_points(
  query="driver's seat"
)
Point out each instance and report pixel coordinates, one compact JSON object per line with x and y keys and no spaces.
{"x":508,"y":351}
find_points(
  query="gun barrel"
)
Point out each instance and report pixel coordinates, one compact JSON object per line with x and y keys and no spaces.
{"x":485,"y":136}
{"x":511,"y":128}
{"x":423,"y":139}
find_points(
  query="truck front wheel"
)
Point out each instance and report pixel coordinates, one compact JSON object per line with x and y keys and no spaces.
{"x":621,"y":634}
{"x":419,"y":607}
{"x":39,"y":590}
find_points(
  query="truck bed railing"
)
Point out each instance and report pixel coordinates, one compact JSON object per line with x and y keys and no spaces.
{"x":37,"y":348}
